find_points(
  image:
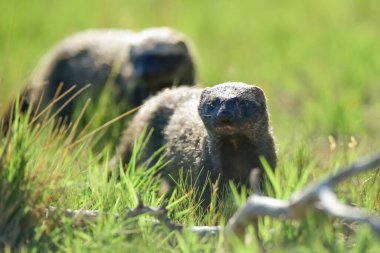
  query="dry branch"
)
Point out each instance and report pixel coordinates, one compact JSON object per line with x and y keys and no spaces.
{"x":160,"y":213}
{"x":318,"y":197}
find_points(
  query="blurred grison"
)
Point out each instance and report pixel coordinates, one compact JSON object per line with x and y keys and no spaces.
{"x":136,"y":64}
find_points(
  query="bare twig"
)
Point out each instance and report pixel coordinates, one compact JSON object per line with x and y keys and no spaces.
{"x":360,"y":166}
{"x":159,"y":213}
{"x":318,"y":196}
{"x":333,"y":207}
{"x":84,"y":214}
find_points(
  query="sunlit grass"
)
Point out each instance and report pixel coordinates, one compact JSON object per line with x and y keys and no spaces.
{"x":318,"y":63}
{"x":42,"y":168}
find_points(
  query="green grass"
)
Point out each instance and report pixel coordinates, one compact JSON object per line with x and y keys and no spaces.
{"x":318,"y":62}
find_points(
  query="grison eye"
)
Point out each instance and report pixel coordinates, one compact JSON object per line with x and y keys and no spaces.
{"x":244,"y":104}
{"x":212,"y":104}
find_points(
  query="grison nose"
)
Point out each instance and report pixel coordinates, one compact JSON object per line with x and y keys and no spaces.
{"x":224,"y":116}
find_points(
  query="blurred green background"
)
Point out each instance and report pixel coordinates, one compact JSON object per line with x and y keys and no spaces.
{"x":318,"y":61}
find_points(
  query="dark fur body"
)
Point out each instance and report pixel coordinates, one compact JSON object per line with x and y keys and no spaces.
{"x":142,"y":64}
{"x":220,"y":131}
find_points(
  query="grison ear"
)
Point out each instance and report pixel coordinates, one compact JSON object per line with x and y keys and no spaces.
{"x":205,"y":92}
{"x":259,"y":95}
{"x":257,"y":91}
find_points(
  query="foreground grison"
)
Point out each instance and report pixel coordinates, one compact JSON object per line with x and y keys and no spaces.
{"x":143,"y":63}
{"x":217,"y":131}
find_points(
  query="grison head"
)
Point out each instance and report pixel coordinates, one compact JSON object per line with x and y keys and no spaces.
{"x":233,"y":108}
{"x":161,"y":58}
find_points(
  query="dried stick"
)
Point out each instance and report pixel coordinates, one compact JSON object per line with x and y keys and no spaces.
{"x":318,"y":196}
{"x":159,"y":213}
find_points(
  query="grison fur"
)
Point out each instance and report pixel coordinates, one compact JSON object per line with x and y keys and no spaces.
{"x":142,"y":63}
{"x":219,"y":132}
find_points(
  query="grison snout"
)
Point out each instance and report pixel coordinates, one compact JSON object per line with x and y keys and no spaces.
{"x":225,"y":114}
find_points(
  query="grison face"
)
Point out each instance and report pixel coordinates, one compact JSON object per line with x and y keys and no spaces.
{"x":233,"y":108}
{"x":161,"y":58}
